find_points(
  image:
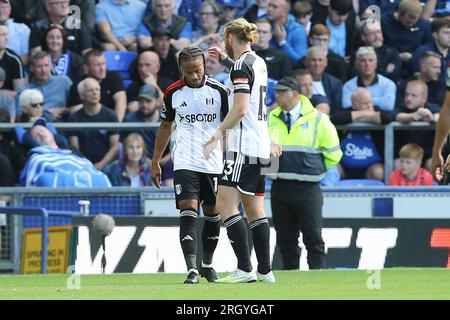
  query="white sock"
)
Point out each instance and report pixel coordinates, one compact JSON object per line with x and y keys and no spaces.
{"x":193,"y":270}
{"x":204,"y":265}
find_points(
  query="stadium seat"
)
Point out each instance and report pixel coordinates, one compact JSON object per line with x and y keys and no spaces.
{"x":359,"y":182}
{"x":120,"y":61}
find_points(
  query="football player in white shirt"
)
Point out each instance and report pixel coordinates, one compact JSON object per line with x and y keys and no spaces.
{"x":249,"y":149}
{"x":196,"y":104}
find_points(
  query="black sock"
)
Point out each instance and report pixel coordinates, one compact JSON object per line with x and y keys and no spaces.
{"x":188,"y":237}
{"x":261,"y":243}
{"x":210,"y":237}
{"x":237,"y":233}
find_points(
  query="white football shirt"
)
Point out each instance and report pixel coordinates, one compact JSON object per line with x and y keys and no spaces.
{"x":197,"y":113}
{"x":251,"y":136}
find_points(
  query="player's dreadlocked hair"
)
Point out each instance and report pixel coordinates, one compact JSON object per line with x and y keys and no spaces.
{"x":189,"y":53}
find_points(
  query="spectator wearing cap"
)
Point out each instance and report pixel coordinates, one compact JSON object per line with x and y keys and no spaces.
{"x":113,"y":94}
{"x":277,"y":61}
{"x":99,"y":146}
{"x":146,"y":71}
{"x":382,"y":89}
{"x":7,"y":103}
{"x":11,"y":63}
{"x":257,"y":10}
{"x":19,"y":33}
{"x":167,"y":54}
{"x":54,"y":88}
{"x":148,"y":111}
{"x":163,"y":15}
{"x":50,"y":165}
{"x":210,"y":29}
{"x":117,"y":22}
{"x":27,"y":140}
{"x":306,"y":136}
{"x":288,"y":35}
{"x":405,"y":30}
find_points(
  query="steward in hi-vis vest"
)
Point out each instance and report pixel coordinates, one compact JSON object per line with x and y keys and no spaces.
{"x":310,"y":146}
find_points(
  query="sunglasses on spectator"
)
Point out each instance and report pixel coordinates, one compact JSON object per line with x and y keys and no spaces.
{"x":37,"y":104}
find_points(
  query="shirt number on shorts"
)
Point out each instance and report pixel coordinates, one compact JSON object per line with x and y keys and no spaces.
{"x":228,"y":167}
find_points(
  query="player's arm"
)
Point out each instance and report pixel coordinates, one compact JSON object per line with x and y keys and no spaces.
{"x":234,"y":116}
{"x":162,"y":140}
{"x":442,"y":130}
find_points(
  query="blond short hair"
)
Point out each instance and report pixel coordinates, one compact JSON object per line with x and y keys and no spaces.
{"x":412,"y":151}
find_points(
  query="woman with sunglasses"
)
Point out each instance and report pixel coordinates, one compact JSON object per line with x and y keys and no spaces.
{"x":31,"y":102}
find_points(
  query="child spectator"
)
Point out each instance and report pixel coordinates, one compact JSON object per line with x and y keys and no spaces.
{"x":303,"y":12}
{"x":410,"y":172}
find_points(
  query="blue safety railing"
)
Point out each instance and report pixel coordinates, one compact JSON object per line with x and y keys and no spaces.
{"x":44,"y":214}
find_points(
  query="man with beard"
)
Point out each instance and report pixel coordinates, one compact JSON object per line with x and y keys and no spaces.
{"x":196,"y":104}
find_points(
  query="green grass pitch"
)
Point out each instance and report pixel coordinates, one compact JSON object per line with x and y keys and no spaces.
{"x":393,"y":283}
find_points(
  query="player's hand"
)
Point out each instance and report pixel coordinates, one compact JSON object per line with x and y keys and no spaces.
{"x":217,"y":53}
{"x":275,"y":149}
{"x":437,"y":166}
{"x":211,"y":144}
{"x":156,"y":174}
{"x":447,"y":164}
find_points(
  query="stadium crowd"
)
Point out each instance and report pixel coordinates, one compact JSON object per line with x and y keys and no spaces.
{"x":356,"y":60}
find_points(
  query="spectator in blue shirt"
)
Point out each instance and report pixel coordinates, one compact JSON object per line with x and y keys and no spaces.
{"x":341,"y":22}
{"x":288,"y":35}
{"x":19,"y":33}
{"x":440,"y":30}
{"x":187,"y":8}
{"x":54,"y":88}
{"x":163,"y":15}
{"x":117,"y":22}
{"x":381,"y":88}
{"x":405,"y":30}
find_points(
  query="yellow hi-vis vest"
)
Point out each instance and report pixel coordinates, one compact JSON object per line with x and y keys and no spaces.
{"x":309,"y":148}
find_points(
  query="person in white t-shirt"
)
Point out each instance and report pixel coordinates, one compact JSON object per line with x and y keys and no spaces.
{"x":196,"y":104}
{"x":249,"y":149}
